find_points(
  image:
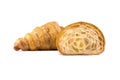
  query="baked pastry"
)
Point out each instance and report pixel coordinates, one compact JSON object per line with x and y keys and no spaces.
{"x":80,"y":38}
{"x":41,"y":38}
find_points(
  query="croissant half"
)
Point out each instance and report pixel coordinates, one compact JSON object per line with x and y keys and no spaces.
{"x":41,"y":38}
{"x":80,"y":38}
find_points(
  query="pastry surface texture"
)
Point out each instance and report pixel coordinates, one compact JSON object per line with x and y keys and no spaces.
{"x":80,"y":38}
{"x":41,"y":38}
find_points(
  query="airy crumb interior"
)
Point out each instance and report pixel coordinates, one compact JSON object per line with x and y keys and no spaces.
{"x":81,"y":40}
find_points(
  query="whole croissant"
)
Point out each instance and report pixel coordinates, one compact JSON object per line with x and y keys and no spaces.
{"x":41,"y":38}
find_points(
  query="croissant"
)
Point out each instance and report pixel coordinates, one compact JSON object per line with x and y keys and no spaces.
{"x":41,"y":38}
{"x":80,"y":38}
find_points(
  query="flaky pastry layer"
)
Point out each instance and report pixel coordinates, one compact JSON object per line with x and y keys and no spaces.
{"x":80,"y":38}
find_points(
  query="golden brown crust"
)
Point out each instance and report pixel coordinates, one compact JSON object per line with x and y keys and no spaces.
{"x":62,"y":35}
{"x":41,"y":38}
{"x":21,"y":44}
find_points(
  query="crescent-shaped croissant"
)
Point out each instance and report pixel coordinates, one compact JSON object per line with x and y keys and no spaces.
{"x":41,"y":38}
{"x":80,"y":38}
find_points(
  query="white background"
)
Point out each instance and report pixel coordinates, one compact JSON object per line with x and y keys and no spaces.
{"x":17,"y":17}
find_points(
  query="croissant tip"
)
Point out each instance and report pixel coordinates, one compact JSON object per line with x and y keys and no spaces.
{"x":16,"y":47}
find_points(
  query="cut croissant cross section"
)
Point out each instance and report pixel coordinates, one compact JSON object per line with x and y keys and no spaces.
{"x":80,"y":38}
